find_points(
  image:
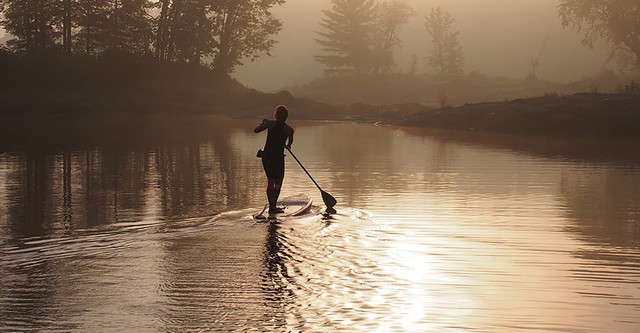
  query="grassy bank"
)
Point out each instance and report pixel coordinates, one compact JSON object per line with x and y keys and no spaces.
{"x":437,"y":92}
{"x":588,"y":114}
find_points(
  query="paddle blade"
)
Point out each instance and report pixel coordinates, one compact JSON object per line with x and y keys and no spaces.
{"x":329,"y":201}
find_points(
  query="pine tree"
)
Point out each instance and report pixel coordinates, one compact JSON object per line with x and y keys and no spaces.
{"x":348,"y":39}
{"x":91,"y":20}
{"x":88,"y":26}
{"x":128,"y":26}
{"x":33,"y":23}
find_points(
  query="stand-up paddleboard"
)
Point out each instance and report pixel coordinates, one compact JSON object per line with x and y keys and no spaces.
{"x":295,"y":205}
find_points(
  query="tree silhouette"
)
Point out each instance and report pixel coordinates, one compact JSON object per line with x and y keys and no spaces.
{"x":393,"y":16}
{"x":67,"y":26}
{"x":243,"y":29}
{"x":184,"y":30}
{"x":615,"y":21}
{"x":227,"y":31}
{"x":535,"y":62}
{"x":348,"y":37}
{"x":127,"y":26}
{"x":162,"y":30}
{"x":90,"y":19}
{"x":44,"y":25}
{"x":446,"y":57}
{"x":32,"y":22}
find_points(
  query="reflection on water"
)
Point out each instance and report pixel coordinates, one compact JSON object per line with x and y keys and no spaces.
{"x":432,"y":235}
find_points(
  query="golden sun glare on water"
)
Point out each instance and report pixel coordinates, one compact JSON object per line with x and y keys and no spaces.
{"x":424,"y":283}
{"x":443,"y":273}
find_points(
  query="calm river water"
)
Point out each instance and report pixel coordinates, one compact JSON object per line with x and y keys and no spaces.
{"x":431,"y":235}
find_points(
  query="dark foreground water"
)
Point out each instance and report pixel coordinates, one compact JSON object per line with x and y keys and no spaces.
{"x":431,"y":235}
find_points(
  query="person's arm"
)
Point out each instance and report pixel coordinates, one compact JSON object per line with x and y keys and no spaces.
{"x":289,"y":137}
{"x":263,"y":126}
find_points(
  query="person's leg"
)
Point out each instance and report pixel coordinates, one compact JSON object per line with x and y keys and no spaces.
{"x":273,"y":192}
{"x":274,"y":169}
{"x":278,"y":170}
{"x":270,"y":182}
{"x":276,"y":194}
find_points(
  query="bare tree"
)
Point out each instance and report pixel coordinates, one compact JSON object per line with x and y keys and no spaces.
{"x":535,"y":62}
{"x":446,"y":57}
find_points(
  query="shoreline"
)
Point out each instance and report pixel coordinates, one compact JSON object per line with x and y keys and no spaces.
{"x":42,"y":94}
{"x":579,"y":115}
{"x":605,"y":116}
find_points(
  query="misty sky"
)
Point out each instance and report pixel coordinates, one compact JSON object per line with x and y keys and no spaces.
{"x":499,"y":38}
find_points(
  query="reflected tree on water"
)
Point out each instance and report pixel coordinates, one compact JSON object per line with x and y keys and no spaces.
{"x":29,"y":215}
{"x":604,"y":206}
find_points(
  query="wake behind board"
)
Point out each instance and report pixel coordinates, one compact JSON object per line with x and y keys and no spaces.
{"x":295,"y":205}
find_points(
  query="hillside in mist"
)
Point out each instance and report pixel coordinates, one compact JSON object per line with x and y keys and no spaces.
{"x":436,"y":92}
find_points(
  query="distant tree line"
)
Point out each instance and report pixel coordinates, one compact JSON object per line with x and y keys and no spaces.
{"x":184,"y":31}
{"x":360,"y":35}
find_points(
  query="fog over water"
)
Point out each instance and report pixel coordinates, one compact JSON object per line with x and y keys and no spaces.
{"x":499,"y":38}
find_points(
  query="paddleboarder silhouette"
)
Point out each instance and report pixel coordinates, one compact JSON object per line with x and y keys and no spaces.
{"x":279,"y":136}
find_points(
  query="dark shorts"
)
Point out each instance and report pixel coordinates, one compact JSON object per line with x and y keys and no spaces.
{"x":273,"y":167}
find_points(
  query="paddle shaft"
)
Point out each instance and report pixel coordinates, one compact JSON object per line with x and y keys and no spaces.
{"x":303,"y":168}
{"x":328,"y":199}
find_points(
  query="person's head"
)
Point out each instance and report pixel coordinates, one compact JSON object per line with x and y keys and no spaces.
{"x":281,"y":113}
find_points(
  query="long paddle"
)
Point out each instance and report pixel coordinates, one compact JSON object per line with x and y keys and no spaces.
{"x":328,"y":199}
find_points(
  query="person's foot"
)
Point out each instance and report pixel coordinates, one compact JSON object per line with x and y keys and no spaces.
{"x":276,"y":210}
